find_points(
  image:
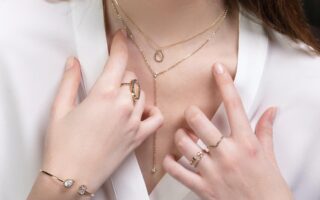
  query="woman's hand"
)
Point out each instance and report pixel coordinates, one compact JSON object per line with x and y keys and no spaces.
{"x":242,"y":165}
{"x":86,"y":142}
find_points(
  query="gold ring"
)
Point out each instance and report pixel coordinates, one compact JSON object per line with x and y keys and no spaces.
{"x":196,"y":159}
{"x":135,"y":89}
{"x":217,"y":144}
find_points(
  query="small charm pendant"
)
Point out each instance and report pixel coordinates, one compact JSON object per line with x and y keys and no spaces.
{"x":154,"y":170}
{"x":68,"y":183}
{"x":82,"y":190}
{"x":158,"y":56}
{"x":155,"y":76}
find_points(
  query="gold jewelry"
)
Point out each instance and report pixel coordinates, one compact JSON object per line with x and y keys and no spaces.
{"x":158,"y":49}
{"x":217,"y":144}
{"x":135,"y":89}
{"x":196,"y":159}
{"x":155,"y":75}
{"x":68,"y":183}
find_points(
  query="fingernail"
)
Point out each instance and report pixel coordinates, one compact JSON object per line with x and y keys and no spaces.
{"x":70,"y":63}
{"x":273,"y":115}
{"x":218,"y":69}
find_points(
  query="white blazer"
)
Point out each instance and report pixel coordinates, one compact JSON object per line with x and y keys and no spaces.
{"x":36,"y":37}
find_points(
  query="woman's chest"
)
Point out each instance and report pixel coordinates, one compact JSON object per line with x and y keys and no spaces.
{"x":189,"y":83}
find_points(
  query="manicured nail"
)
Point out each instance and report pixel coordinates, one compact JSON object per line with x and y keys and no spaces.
{"x":70,"y":63}
{"x":218,"y":68}
{"x":273,"y":115}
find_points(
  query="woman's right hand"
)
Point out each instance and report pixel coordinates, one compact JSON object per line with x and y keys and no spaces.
{"x":88,"y":141}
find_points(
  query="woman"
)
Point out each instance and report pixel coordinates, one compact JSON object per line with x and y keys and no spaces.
{"x":228,"y":170}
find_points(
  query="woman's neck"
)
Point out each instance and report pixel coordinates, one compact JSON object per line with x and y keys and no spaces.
{"x":170,"y":20}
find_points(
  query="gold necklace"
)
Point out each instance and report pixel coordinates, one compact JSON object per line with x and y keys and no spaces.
{"x":159,"y":55}
{"x":154,"y":74}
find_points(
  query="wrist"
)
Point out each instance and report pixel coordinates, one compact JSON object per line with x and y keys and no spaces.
{"x":79,"y":174}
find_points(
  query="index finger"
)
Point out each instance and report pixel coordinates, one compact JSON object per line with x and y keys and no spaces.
{"x":116,"y":65}
{"x":237,"y":117}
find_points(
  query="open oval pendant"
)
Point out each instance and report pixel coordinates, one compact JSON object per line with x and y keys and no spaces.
{"x":158,"y":56}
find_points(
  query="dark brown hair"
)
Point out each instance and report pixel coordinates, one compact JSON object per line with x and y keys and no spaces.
{"x":285,"y":16}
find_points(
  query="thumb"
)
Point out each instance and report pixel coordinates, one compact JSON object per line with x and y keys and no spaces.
{"x":264,"y":132}
{"x":66,"y":97}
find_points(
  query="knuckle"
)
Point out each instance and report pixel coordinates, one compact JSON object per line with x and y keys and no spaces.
{"x":135,"y":126}
{"x":137,"y":141}
{"x":196,"y":119}
{"x":210,"y":194}
{"x":125,"y":106}
{"x":181,"y":142}
{"x":225,"y":81}
{"x":251,"y":149}
{"x":130,"y":74}
{"x":234,"y":102}
{"x":108,"y":93}
{"x":230,"y":158}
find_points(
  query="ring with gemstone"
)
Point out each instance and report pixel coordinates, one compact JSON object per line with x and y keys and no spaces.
{"x":135,"y":89}
{"x":196,"y":159}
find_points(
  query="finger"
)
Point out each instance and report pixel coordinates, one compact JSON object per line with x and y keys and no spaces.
{"x":264,"y":132}
{"x":202,"y":126}
{"x":139,"y":108}
{"x":183,"y":175}
{"x":116,"y":64}
{"x":151,"y":124}
{"x":237,"y":117}
{"x":66,"y":97}
{"x":189,"y":149}
{"x":193,"y":137}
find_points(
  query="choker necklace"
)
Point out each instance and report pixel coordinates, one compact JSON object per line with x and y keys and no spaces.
{"x":159,"y":51}
{"x":156,"y":75}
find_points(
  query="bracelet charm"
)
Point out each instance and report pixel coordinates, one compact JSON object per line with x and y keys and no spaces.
{"x":68,"y":183}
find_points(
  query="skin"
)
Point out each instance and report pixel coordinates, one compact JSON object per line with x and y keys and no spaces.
{"x":243,"y":158}
{"x":243,"y":166}
{"x":95,"y":136}
{"x":176,"y":91}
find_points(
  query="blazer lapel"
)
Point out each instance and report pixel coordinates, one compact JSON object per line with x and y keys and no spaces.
{"x":92,"y":51}
{"x":90,"y":38}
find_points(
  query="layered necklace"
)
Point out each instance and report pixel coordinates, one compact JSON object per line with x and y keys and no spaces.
{"x":159,"y":55}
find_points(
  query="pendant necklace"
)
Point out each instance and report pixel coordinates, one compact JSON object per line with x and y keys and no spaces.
{"x":156,"y":75}
{"x":159,"y":51}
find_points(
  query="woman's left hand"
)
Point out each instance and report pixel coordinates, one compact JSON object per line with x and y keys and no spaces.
{"x":239,"y":166}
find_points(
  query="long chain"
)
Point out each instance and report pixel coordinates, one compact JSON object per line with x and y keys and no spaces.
{"x":154,"y":74}
{"x":158,"y":49}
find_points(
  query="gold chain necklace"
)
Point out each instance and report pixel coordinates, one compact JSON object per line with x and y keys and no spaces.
{"x":154,"y":74}
{"x":159,"y":55}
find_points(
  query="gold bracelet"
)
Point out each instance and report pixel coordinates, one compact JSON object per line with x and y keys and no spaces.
{"x":68,"y":183}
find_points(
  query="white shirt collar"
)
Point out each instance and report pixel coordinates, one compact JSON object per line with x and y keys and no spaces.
{"x":91,"y":43}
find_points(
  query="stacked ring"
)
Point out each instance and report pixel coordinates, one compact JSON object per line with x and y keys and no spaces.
{"x":196,"y":159}
{"x":135,"y":89}
{"x":217,"y":144}
{"x":199,"y":155}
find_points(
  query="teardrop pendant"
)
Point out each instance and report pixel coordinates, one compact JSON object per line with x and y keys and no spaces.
{"x":154,"y":170}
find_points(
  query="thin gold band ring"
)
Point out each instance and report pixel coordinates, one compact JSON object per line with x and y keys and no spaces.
{"x":135,"y":89}
{"x":217,"y":144}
